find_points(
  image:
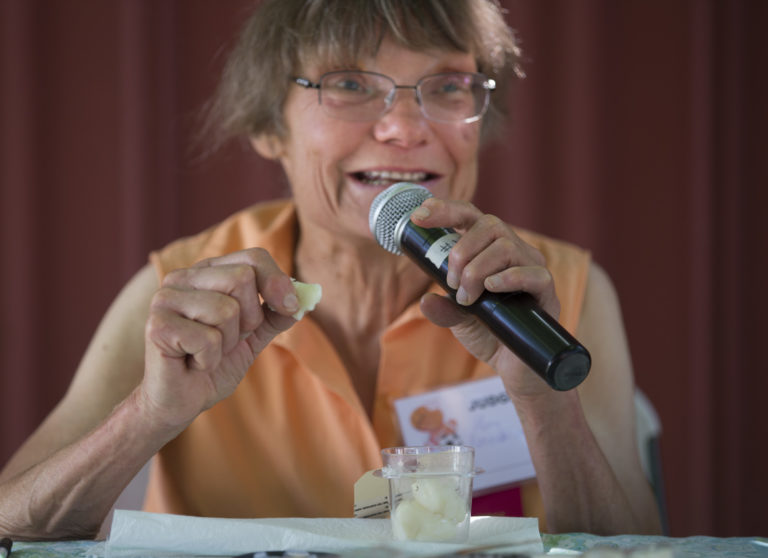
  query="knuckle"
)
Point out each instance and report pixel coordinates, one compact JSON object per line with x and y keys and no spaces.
{"x":228,"y":309}
{"x":546,"y":276}
{"x":252,"y":320}
{"x":466,"y":205}
{"x":251,"y":324}
{"x":157,"y":326}
{"x":534,"y":279}
{"x":457,"y":257}
{"x":539,"y":258}
{"x":256,"y":254}
{"x":212,"y":337}
{"x":275,"y":282}
{"x":176,"y":277}
{"x":244,"y":275}
{"x":492,"y":222}
{"x":469,"y":275}
{"x":162,"y":298}
{"x":491,"y":226}
{"x":505,"y":244}
{"x":155,"y":323}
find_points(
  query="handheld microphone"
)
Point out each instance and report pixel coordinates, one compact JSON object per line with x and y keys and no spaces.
{"x":514,"y":318}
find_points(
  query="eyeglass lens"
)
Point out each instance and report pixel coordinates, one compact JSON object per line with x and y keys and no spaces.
{"x":451,"y":97}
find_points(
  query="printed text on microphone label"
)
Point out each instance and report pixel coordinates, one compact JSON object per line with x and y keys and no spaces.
{"x":440,"y":248}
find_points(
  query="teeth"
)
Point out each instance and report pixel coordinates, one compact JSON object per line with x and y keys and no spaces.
{"x":394,"y":176}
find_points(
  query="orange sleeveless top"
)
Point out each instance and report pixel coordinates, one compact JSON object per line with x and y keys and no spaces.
{"x":293,"y":438}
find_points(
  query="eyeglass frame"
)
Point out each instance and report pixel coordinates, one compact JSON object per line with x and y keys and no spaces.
{"x":488,"y":85}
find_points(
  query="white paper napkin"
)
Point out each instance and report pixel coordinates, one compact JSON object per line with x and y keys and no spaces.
{"x":141,"y":533}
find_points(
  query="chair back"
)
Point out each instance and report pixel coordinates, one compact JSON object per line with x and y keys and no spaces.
{"x":648,"y":428}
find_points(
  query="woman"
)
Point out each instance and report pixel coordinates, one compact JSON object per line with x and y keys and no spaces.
{"x":256,"y":414}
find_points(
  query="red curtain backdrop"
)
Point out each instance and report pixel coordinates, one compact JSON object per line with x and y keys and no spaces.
{"x":640,"y":133}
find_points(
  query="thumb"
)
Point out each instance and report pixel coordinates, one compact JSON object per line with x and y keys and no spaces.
{"x":468,"y":330}
{"x":273,"y":324}
{"x":442,"y":311}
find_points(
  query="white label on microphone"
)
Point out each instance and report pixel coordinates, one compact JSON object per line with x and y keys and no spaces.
{"x":441,"y":247}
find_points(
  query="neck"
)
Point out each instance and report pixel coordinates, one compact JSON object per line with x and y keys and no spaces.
{"x":368,"y":287}
{"x":364,"y":290}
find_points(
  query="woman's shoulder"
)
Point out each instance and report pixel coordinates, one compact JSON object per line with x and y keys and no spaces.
{"x":270,"y":225}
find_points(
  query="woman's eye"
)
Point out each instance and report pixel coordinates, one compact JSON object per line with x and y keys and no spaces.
{"x":348,"y":85}
{"x":449,"y":88}
{"x":454,"y":86}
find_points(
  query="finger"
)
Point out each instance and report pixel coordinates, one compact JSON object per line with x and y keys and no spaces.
{"x":461,"y":216}
{"x":479,"y":231}
{"x":209,"y":308}
{"x":197,"y":346}
{"x":236,"y":282}
{"x":273,"y":324}
{"x":485,"y":249}
{"x":488,"y":229}
{"x":489,"y":247}
{"x":483,"y":255}
{"x":441,"y":311}
{"x":535,"y":280}
{"x":274,"y":286}
{"x":468,"y":330}
{"x":248,"y":276}
{"x":436,"y":212}
{"x":531,"y":279}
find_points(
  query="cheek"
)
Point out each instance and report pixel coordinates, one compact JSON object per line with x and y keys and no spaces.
{"x":462,"y":142}
{"x":464,"y":145}
{"x":309,"y":135}
{"x":470,"y":136}
{"x":326,"y":145}
{"x":306,"y":157}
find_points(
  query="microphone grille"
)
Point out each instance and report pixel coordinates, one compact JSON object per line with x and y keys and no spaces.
{"x":391,"y":209}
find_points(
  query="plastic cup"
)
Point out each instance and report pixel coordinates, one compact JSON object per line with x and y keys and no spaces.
{"x":430,"y":492}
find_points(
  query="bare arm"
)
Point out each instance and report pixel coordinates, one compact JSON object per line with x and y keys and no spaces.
{"x":55,"y":463}
{"x":607,"y":397}
{"x":68,"y":494}
{"x":140,"y":385}
{"x":583,"y":442}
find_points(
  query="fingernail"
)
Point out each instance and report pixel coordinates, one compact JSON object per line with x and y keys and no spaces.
{"x":452,"y":279}
{"x":461,"y":296}
{"x":492,"y":282}
{"x":420,"y":213}
{"x":290,"y":302}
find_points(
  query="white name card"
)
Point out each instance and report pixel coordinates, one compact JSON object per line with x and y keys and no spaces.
{"x":477,"y":414}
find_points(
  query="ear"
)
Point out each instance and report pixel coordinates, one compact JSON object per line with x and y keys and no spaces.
{"x":268,"y":146}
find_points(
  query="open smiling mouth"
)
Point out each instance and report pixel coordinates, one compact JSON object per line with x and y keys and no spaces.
{"x":383,"y":178}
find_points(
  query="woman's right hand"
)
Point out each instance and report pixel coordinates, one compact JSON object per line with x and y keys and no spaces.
{"x":158,"y":358}
{"x":206,"y":325}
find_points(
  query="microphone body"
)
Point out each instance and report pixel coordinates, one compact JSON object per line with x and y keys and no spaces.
{"x":514,"y":318}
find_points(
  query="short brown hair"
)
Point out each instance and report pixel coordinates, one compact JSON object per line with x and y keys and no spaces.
{"x":282,"y":36}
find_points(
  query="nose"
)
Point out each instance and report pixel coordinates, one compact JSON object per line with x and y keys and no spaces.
{"x":403,"y":124}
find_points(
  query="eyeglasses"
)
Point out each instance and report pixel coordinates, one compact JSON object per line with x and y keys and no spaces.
{"x":364,"y":96}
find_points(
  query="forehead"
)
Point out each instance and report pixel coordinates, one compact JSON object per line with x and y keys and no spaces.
{"x":393,"y":57}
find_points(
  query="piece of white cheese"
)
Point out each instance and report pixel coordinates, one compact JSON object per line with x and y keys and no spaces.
{"x":309,"y":295}
{"x":433,"y":512}
{"x":440,"y":496}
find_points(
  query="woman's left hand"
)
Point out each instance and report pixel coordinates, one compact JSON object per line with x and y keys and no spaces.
{"x":488,"y":256}
{"x":581,"y":441}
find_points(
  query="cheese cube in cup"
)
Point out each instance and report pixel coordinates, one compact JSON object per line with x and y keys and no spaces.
{"x":430,"y":491}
